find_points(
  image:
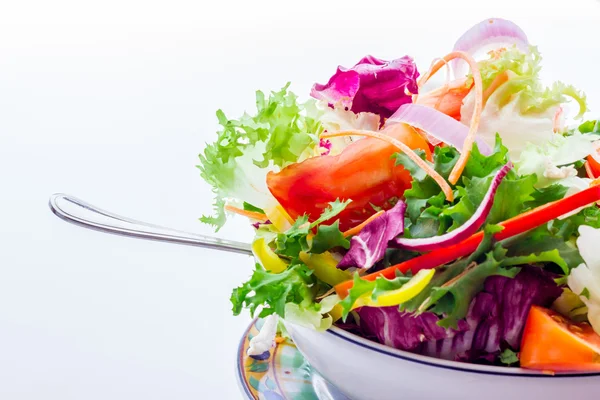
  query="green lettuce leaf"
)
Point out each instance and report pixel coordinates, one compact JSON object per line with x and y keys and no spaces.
{"x":541,"y":246}
{"x":359,"y":289}
{"x":463,"y":280}
{"x":428,"y":212}
{"x":331,"y":211}
{"x":592,"y":126}
{"x":523,"y":108}
{"x":509,"y":357}
{"x":560,"y":154}
{"x":250,"y":207}
{"x":523,"y":69}
{"x":453,"y":300}
{"x":272,"y":291}
{"x":373,"y":289}
{"x":383,"y":285}
{"x":282,"y":131}
{"x":294,"y":240}
{"x":328,"y":237}
{"x":567,"y":228}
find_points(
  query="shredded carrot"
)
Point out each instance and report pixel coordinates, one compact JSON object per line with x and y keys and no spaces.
{"x":405,"y":149}
{"x":246,"y":213}
{"x":498,"y":81}
{"x":478,"y":85}
{"x":444,"y":89}
{"x":356,"y":230}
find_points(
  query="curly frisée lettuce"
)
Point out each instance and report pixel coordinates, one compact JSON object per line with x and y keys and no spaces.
{"x":518,"y":105}
{"x":281,"y":132}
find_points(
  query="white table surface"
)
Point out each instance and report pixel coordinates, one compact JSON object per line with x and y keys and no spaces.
{"x":112,"y":102}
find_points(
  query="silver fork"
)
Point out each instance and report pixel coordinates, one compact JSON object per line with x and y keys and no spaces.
{"x":79,"y":212}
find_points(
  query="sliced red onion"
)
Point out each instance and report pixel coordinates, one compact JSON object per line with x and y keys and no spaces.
{"x":437,"y":124}
{"x":465,"y":230}
{"x":487,"y":35}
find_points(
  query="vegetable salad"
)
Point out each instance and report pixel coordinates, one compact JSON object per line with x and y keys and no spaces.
{"x":457,"y":222}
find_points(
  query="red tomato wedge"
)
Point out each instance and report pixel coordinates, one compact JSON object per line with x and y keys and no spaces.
{"x":363,"y":172}
{"x":553,"y":343}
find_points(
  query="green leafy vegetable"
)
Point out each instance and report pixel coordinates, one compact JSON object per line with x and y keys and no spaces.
{"x":453,"y":298}
{"x":287,"y":127}
{"x":430,"y":214}
{"x":281,"y":132}
{"x":364,"y":288}
{"x":250,"y":207}
{"x":218,"y":219}
{"x":592,"y":126}
{"x":547,"y":194}
{"x":585,"y":293}
{"x":294,"y":240}
{"x":541,"y":245}
{"x":383,"y":285}
{"x":328,"y":237}
{"x":480,"y":165}
{"x":425,"y":199}
{"x":296,"y":285}
{"x":509,"y":357}
{"x":331,"y":211}
{"x":360,"y":288}
{"x":415,"y":171}
{"x":559,"y":154}
{"x":524,"y":69}
{"x":567,"y":227}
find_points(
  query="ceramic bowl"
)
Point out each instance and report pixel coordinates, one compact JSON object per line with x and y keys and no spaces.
{"x":365,"y":370}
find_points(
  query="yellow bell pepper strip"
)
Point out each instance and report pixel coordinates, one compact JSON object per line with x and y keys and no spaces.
{"x":279,"y":218}
{"x":324,"y":266}
{"x":409,"y":290}
{"x":398,"y":296}
{"x":267,"y":257}
{"x":336,"y":313}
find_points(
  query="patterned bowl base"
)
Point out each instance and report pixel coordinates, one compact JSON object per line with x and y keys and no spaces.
{"x":285,"y":375}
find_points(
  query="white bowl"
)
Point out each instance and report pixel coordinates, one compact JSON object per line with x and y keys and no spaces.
{"x":365,"y":370}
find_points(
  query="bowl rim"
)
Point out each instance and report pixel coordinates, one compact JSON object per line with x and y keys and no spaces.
{"x":451,"y":365}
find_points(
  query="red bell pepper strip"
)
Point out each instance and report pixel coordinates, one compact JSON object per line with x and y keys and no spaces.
{"x":512,"y":227}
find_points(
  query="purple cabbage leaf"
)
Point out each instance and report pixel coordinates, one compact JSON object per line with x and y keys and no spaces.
{"x":372,"y":85}
{"x":495,"y":320}
{"x":370,"y":244}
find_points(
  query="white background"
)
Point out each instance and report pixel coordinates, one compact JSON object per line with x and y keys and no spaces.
{"x":112,"y":101}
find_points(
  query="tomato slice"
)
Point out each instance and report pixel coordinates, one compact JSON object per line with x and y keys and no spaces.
{"x":553,"y":343}
{"x":363,"y":172}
